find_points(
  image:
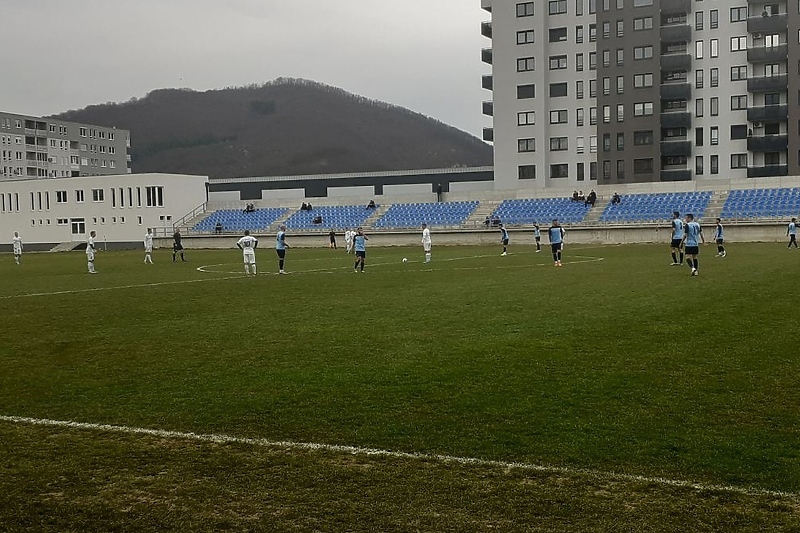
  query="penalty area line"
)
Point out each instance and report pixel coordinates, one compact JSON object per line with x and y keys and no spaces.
{"x":376,"y":452}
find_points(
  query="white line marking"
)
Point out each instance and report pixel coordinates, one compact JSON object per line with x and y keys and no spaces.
{"x":375,"y":452}
{"x":95,"y":289}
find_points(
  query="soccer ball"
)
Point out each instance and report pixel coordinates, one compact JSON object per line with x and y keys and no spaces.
{"x":405,"y":260}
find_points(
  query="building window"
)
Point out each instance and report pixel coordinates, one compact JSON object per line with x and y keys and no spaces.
{"x":526,"y":145}
{"x":593,"y":144}
{"x":620,"y":142}
{"x":739,"y":131}
{"x":620,"y":28}
{"x":643,"y":23}
{"x":592,"y":33}
{"x":607,"y":169}
{"x":525,"y":37}
{"x":620,"y":112}
{"x":579,"y":7}
{"x":642,"y":138}
{"x":714,"y":135}
{"x":620,"y":84}
{"x":558,"y":116}
{"x":559,"y":144}
{"x":556,"y":7}
{"x":606,"y":86}
{"x":580,"y":173}
{"x":61,"y":197}
{"x":606,"y":58}
{"x":593,"y":170}
{"x":738,"y":44}
{"x":97,"y":195}
{"x":738,"y":102}
{"x":558,"y":89}
{"x":739,"y":73}
{"x":558,"y":35}
{"x":643,"y":52}
{"x":642,"y":80}
{"x":714,"y":77}
{"x":698,"y":49}
{"x":606,"y":30}
{"x":643,"y":166}
{"x":154,"y":196}
{"x":714,"y":164}
{"x":592,"y":7}
{"x":620,"y":169}
{"x":606,"y":114}
{"x":698,"y":136}
{"x":592,"y":60}
{"x":714,"y":106}
{"x":579,"y":145}
{"x":698,"y":79}
{"x":698,"y":107}
{"x":526,"y":91}
{"x":643,"y":109}
{"x":525,"y":9}
{"x":698,"y":165}
{"x":772,"y":99}
{"x":738,"y":161}
{"x":527,"y":172}
{"x":713,"y":16}
{"x":642,"y":3}
{"x":592,"y":116}
{"x":698,"y":20}
{"x":579,"y":62}
{"x":772,"y":41}
{"x":526,"y":118}
{"x":714,"y":47}
{"x":770,"y":158}
{"x":559,"y":171}
{"x":579,"y":34}
{"x":739,"y":14}
{"x":606,"y":142}
{"x":526,"y":64}
{"x":620,"y":57}
{"x":79,"y":195}
{"x":558,"y":62}
{"x":579,"y":90}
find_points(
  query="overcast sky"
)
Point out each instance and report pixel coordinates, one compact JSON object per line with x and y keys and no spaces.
{"x":420,"y":54}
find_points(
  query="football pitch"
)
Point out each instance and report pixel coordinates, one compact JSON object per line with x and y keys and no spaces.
{"x":474,"y":393}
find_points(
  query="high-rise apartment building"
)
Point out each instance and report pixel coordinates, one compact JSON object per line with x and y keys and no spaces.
{"x":630,"y":91}
{"x":33,"y":147}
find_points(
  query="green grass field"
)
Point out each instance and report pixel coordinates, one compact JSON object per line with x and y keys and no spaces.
{"x":614,"y":364}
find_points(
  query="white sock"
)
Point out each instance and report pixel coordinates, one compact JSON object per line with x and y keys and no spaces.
{"x":247,"y":269}
{"x":254,"y":269}
{"x":427,"y":258}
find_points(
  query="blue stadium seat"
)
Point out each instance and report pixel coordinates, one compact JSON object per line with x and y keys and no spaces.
{"x":237,"y":220}
{"x":762,"y":203}
{"x":656,"y":207}
{"x":334,"y":217}
{"x":540,"y":210}
{"x":433,"y":214}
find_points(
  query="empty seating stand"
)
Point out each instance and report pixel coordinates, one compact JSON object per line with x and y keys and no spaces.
{"x":433,"y":214}
{"x":540,"y":211}
{"x":333,"y":217}
{"x":762,"y":203}
{"x":656,"y":207}
{"x":238,"y":220}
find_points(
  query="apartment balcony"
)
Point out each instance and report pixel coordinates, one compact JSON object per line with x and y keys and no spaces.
{"x":488,"y":108}
{"x":676,"y":33}
{"x":486,"y":55}
{"x":672,"y":7}
{"x":676,"y":62}
{"x":486,"y":29}
{"x":767,"y":171}
{"x":768,"y":143}
{"x":486,"y":82}
{"x":676,"y":91}
{"x":676,"y":120}
{"x":488,"y":134}
{"x":769,"y":24}
{"x":676,"y":175}
{"x":676,"y":148}
{"x":770,"y":54}
{"x":766,"y":84}
{"x":769,"y":113}
{"x":128,"y":158}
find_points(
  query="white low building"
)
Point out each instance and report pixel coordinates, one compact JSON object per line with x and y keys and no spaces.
{"x":119,"y":208}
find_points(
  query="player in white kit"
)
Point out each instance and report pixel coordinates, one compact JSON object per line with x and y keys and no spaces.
{"x":426,"y":242}
{"x":90,"y":252}
{"x":247,"y":245}
{"x":148,"y":246}
{"x":348,"y":240}
{"x":17,"y":244}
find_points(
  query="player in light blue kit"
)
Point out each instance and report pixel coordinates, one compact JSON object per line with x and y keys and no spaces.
{"x":556,"y":235}
{"x":692,"y":238}
{"x":504,"y":239}
{"x":677,"y":238}
{"x":719,"y":238}
{"x":791,"y":231}
{"x":360,"y":245}
{"x":280,"y":248}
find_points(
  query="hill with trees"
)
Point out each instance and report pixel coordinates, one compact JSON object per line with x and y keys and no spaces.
{"x":282,"y":127}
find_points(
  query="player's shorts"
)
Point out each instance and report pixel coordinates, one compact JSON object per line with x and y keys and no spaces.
{"x":719,"y":241}
{"x":538,"y":239}
{"x":90,"y":255}
{"x":555,"y":247}
{"x":249,"y":257}
{"x":426,"y":246}
{"x":505,"y":242}
{"x":148,"y":249}
{"x":17,"y":251}
{"x":177,"y":247}
{"x":281,"y":253}
{"x":361,"y":253}
{"x":676,"y":243}
{"x":692,"y":250}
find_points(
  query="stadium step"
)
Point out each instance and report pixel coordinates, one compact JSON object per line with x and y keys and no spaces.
{"x":593,"y":215}
{"x":715,"y":206}
{"x":376,"y":214}
{"x":478,"y":217}
{"x":66,"y":246}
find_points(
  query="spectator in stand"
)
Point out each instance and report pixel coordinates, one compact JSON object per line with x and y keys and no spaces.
{"x":317,"y":219}
{"x":591,"y":199}
{"x":581,"y":197}
{"x":575,"y":196}
{"x":218,"y":228}
{"x":487,"y":221}
{"x":304,"y":207}
{"x":371,"y":205}
{"x":616,"y":199}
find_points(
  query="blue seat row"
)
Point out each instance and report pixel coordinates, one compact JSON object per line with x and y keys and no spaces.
{"x":656,"y":207}
{"x":237,"y":220}
{"x":433,"y":214}
{"x":757,"y":203}
{"x":540,"y":211}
